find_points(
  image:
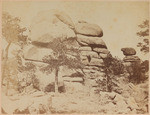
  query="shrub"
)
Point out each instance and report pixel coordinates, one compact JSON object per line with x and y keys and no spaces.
{"x":115,"y":65}
{"x":145,"y":65}
{"x":26,"y":76}
{"x":136,"y":75}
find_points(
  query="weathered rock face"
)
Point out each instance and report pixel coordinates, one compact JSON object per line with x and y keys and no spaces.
{"x":128,"y":51}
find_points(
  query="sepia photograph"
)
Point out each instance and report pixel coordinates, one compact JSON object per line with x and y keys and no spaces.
{"x":74,"y":57}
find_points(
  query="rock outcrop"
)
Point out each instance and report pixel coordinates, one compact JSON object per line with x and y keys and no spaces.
{"x":50,"y":25}
{"x":130,"y":56}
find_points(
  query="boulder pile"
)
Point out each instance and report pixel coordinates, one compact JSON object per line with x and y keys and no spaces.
{"x":93,"y":51}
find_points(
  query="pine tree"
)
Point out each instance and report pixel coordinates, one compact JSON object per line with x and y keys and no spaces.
{"x":63,"y":55}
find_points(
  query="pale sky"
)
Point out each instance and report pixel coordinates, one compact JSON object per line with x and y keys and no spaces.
{"x":118,"y":20}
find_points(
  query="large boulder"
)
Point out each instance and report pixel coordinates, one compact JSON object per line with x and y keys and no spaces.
{"x":128,"y":51}
{"x":91,"y":41}
{"x":49,"y":25}
{"x":88,"y":29}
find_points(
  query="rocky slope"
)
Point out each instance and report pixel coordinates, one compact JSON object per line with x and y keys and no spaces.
{"x":132,"y":100}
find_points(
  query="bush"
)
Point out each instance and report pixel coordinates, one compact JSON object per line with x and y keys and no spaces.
{"x":145,"y":65}
{"x":115,"y":65}
{"x":26,"y":76}
{"x":136,"y":74}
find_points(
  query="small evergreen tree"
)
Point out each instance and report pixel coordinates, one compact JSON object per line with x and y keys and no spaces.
{"x":63,"y":55}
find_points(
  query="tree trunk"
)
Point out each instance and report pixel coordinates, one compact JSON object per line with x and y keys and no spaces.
{"x":5,"y":61}
{"x":56,"y":80}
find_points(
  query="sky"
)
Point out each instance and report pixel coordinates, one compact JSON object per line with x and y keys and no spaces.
{"x":118,"y":20}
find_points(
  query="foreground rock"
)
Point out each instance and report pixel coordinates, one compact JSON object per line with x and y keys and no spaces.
{"x":34,"y":103}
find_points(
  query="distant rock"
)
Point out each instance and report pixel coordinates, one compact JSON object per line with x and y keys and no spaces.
{"x":88,"y":29}
{"x":128,"y":51}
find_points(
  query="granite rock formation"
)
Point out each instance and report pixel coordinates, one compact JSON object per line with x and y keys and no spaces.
{"x":49,"y":25}
{"x":93,"y":51}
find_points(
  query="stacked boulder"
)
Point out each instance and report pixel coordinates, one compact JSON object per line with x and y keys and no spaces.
{"x":130,"y":56}
{"x":93,"y":51}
